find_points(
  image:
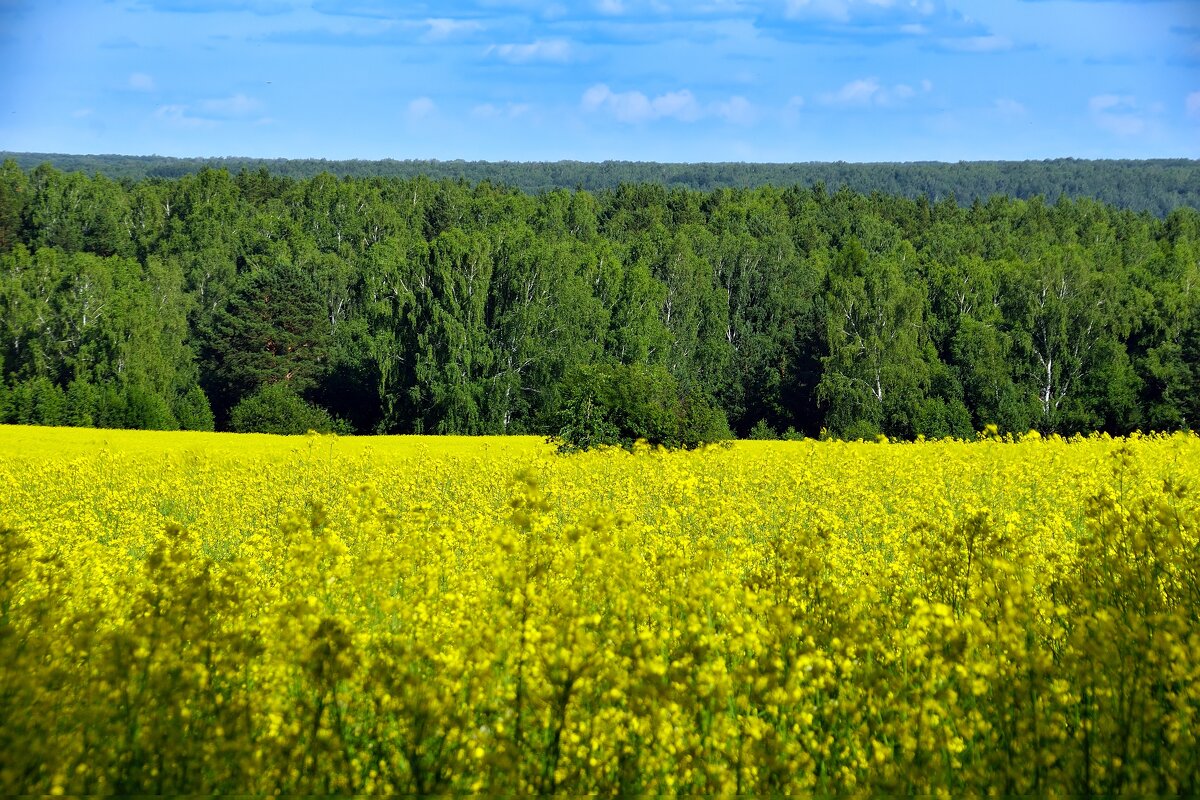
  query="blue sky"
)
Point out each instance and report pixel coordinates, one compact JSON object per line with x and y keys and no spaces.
{"x":663,"y":80}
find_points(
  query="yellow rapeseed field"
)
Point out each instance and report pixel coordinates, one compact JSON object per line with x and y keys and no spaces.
{"x":200,"y":613}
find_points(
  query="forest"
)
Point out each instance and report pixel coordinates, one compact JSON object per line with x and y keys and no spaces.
{"x":1155,"y":185}
{"x":251,"y":300}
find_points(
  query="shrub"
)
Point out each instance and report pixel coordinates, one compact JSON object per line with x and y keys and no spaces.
{"x":193,"y":411}
{"x":81,"y":403}
{"x":276,"y":408}
{"x":762,"y":431}
{"x":145,"y":409}
{"x":617,"y":405}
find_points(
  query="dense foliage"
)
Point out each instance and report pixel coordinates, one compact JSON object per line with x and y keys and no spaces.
{"x":626,"y":404}
{"x":422,"y":306}
{"x":1155,"y":185}
{"x":205,"y":614}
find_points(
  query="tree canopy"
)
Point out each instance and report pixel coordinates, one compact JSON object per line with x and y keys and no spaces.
{"x":440,"y":305}
{"x":1155,"y":185}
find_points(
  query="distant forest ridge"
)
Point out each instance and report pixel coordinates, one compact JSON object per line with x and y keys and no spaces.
{"x":1157,"y":186}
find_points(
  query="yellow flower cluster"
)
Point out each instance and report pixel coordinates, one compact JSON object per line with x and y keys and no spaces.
{"x":201,"y":613}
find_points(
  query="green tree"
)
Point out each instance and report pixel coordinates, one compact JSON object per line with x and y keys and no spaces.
{"x":276,"y":408}
{"x":877,"y":362}
{"x":272,"y":330}
{"x":193,"y":411}
{"x":453,"y":353}
{"x":976,"y":339}
{"x":1062,"y":313}
{"x":81,"y":401}
{"x":394,"y":271}
{"x":619,"y":404}
{"x":14,"y":191}
{"x":1167,"y":360}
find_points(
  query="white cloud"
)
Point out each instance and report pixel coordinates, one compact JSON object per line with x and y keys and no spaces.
{"x":737,"y":110}
{"x":595,"y":96}
{"x":238,"y":105}
{"x":845,"y":10}
{"x":1120,"y":115}
{"x":421,"y":108}
{"x":1112,"y":102}
{"x":791,"y":109}
{"x":141,"y":81}
{"x":80,"y":113}
{"x":867,"y":92}
{"x":541,"y":50}
{"x":636,"y":107}
{"x":440,"y":28}
{"x":834,"y":10}
{"x":660,"y":7}
{"x":211,"y":112}
{"x":1192,"y":104}
{"x":992,"y":43}
{"x":177,"y":116}
{"x":1122,"y":124}
{"x":1008,"y":108}
{"x":681,"y":104}
{"x":506,"y":111}
{"x":856,"y":93}
{"x":931,"y":21}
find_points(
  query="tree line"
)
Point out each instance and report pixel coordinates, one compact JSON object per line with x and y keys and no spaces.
{"x":249,"y":301}
{"x":1155,"y":185}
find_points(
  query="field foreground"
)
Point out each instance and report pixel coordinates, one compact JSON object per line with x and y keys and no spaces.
{"x":198,"y":613}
